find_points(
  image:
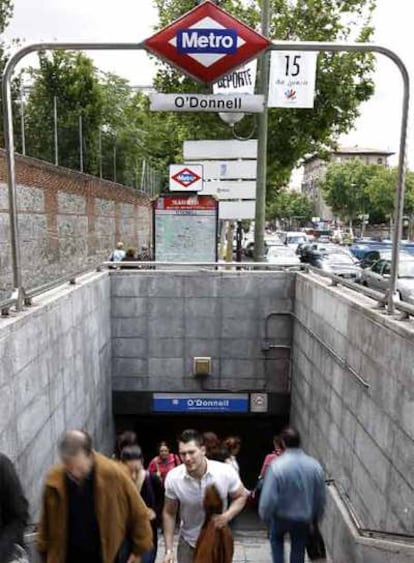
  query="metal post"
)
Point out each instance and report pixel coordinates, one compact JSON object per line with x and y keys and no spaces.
{"x":114,"y":157}
{"x":80,"y":143}
{"x":55,"y":129}
{"x":262,"y":145}
{"x":100,"y":152}
{"x":280,"y":45}
{"x":22,"y":119}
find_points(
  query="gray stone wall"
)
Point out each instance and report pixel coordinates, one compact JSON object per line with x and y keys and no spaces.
{"x":161,"y":320}
{"x":55,"y":368}
{"x":363,"y":436}
{"x":67,"y":221}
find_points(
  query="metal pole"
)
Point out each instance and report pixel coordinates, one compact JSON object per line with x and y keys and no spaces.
{"x":55,"y":128}
{"x":263,"y":88}
{"x":280,"y":45}
{"x":114,"y":159}
{"x":22,"y":119}
{"x":100,"y":152}
{"x":80,"y":143}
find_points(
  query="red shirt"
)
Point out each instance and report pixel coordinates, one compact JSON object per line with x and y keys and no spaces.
{"x":268,"y":460}
{"x":162,"y":467}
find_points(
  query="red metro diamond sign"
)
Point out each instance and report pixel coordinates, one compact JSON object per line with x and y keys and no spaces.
{"x":207,"y":43}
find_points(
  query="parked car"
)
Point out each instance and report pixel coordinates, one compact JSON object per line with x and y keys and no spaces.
{"x":378,"y":277}
{"x":371,"y":256}
{"x":281,"y":255}
{"x":268,"y":242}
{"x":293,"y":238}
{"x":335,"y":260}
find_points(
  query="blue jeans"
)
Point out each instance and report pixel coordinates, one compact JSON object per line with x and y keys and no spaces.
{"x":298,"y":532}
{"x":149,"y":556}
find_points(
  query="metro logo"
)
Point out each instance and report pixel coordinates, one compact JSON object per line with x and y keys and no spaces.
{"x":186,"y":177}
{"x":207,"y":41}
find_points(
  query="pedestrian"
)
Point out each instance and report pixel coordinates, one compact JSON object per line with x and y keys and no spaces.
{"x":118,"y":254}
{"x":293,"y":498}
{"x":149,"y":487}
{"x":211,"y":443}
{"x":277,"y":451}
{"x":162,"y":464}
{"x":185,"y":487}
{"x":13,"y":511}
{"x":234,"y":444}
{"x":126,"y":438}
{"x":130,"y":256}
{"x":91,"y":511}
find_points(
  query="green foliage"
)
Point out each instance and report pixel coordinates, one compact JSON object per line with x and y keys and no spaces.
{"x":71,"y":79}
{"x":354,"y":188}
{"x":343,"y":79}
{"x":6,"y":11}
{"x":289,"y":205}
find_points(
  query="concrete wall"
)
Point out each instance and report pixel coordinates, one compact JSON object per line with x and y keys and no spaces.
{"x":55,"y":362}
{"x":363,"y":436}
{"x":161,"y":320}
{"x":67,"y":221}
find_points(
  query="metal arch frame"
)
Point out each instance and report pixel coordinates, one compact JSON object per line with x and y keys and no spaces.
{"x":277,"y":46}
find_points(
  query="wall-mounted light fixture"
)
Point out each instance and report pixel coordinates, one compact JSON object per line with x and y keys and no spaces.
{"x":202,"y":366}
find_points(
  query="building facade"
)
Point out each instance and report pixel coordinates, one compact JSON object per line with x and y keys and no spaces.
{"x":314,"y":169}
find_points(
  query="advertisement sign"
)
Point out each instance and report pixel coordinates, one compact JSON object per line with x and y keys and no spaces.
{"x":185,"y":228}
{"x":200,"y":402}
{"x":207,"y":42}
{"x":239,"y":81}
{"x":292,"y":79}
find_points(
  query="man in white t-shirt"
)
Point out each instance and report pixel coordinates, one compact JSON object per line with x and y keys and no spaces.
{"x":184,"y":488}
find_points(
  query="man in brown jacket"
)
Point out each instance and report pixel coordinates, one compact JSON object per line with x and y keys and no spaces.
{"x":91,"y":512}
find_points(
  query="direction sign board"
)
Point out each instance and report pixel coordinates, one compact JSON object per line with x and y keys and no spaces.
{"x":183,"y":178}
{"x":207,"y":43}
{"x":219,"y":149}
{"x":245,"y":103}
{"x":237,"y":210}
{"x":229,"y":169}
{"x":231,"y":189}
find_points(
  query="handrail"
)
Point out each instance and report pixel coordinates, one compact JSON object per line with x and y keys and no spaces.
{"x":263,"y":267}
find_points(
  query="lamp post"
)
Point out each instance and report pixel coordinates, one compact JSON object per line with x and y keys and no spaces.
{"x":259,"y":225}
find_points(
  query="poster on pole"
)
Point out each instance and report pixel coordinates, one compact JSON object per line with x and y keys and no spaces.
{"x":240,"y":81}
{"x":292,"y":79}
{"x":185,"y":228}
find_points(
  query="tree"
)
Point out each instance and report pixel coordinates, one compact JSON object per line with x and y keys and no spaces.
{"x":71,"y":79}
{"x":354,"y":188}
{"x":345,"y":188}
{"x":343,"y":80}
{"x":290,"y":206}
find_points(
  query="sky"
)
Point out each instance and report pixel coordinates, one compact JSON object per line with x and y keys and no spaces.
{"x":134,"y":21}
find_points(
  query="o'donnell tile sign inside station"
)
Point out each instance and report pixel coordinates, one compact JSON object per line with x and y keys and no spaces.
{"x":207,"y":43}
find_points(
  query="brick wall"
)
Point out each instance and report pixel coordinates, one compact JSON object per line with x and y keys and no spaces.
{"x":67,"y":221}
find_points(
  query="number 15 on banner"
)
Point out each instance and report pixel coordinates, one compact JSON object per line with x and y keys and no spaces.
{"x":292,"y":79}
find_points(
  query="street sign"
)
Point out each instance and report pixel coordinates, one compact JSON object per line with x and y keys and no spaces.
{"x":292,"y":79}
{"x":200,"y":402}
{"x":206,"y":102}
{"x":237,"y":210}
{"x":231,"y":189}
{"x":207,"y":43}
{"x":219,"y":149}
{"x":185,"y":228}
{"x":240,"y":81}
{"x":229,"y":169}
{"x":184,"y":177}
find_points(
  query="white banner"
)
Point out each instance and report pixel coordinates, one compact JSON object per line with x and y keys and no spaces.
{"x":240,"y":81}
{"x":292,"y":79}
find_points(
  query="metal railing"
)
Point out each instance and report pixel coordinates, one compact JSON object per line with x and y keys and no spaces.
{"x":405,"y":308}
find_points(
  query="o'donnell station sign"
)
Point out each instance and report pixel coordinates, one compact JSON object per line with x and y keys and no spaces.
{"x":198,"y":102}
{"x":207,"y":43}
